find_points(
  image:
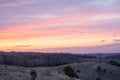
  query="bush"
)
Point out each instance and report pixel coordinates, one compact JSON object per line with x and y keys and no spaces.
{"x":70,"y":72}
{"x":115,"y":63}
{"x":105,"y":70}
{"x":33,"y":74}
{"x":78,"y":71}
{"x":98,"y":78}
{"x":98,"y":68}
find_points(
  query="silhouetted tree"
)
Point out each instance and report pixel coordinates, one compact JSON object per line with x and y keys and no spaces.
{"x":70,"y":72}
{"x":33,"y":74}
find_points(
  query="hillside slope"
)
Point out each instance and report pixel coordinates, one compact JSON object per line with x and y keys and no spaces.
{"x":85,"y":70}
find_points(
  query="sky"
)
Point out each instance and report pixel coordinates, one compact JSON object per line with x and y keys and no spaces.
{"x":76,"y":26}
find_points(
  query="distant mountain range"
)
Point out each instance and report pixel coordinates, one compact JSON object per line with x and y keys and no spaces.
{"x":109,"y":48}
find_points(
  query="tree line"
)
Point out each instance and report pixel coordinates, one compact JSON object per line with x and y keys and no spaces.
{"x":35,"y":59}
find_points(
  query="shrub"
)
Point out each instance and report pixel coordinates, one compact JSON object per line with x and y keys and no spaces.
{"x":33,"y":74}
{"x":70,"y":72}
{"x":115,"y":63}
{"x":105,"y":70}
{"x":98,"y":78}
{"x":98,"y":68}
{"x":78,"y":71}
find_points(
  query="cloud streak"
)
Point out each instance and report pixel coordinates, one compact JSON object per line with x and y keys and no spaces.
{"x":23,"y":46}
{"x":116,"y":40}
{"x":13,"y":3}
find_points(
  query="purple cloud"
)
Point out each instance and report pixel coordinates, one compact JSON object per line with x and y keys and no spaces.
{"x":102,"y":41}
{"x":11,"y":3}
{"x":110,"y":48}
{"x":116,"y":40}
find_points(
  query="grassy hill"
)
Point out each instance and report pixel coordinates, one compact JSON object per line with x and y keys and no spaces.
{"x":85,"y":71}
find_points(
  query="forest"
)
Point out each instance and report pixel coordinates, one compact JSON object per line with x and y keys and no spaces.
{"x":37,"y":59}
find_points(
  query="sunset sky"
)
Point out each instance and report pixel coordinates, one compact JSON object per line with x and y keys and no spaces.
{"x":77,"y":26}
